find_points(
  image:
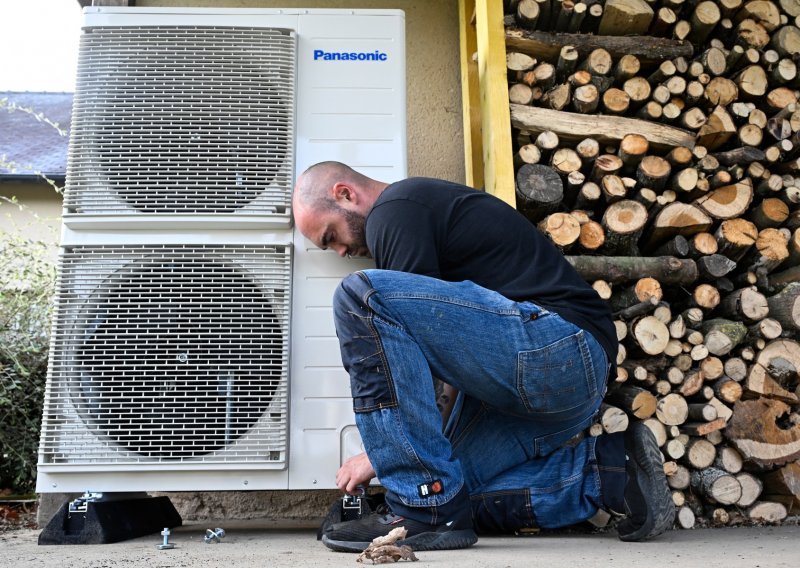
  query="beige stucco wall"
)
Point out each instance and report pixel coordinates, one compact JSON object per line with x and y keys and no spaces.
{"x":435,"y":143}
{"x":36,"y":213}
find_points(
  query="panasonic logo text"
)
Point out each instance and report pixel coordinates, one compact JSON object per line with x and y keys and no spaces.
{"x":376,"y":55}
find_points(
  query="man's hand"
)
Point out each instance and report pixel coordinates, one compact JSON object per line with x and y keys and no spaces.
{"x":355,"y":471}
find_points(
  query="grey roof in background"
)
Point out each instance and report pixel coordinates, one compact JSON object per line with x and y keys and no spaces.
{"x":26,"y":141}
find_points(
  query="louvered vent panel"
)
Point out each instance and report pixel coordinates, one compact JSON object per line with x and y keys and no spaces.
{"x":169,"y":354}
{"x":173,"y":120}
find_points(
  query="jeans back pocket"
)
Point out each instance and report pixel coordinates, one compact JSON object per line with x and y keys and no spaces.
{"x":557,"y":381}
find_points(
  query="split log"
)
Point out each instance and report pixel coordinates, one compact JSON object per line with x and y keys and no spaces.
{"x":784,"y":482}
{"x":677,"y":219}
{"x":729,"y":201}
{"x":703,"y":428}
{"x":735,"y":237}
{"x":692,"y":383}
{"x":754,"y":431}
{"x":625,"y":17}
{"x":770,"y":251}
{"x":760,"y":384}
{"x":723,"y":411}
{"x":619,"y":269}
{"x":717,"y":130}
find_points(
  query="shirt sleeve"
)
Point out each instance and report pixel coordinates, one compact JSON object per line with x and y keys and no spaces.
{"x":401,"y":235}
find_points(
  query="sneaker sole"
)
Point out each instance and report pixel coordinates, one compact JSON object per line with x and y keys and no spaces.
{"x":449,"y":540}
{"x":653,"y":482}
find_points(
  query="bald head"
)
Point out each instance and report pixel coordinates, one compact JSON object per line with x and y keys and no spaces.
{"x":314,"y":189}
{"x":330,"y":204}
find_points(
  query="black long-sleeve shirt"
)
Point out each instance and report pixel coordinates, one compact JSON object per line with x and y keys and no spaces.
{"x":452,"y":232}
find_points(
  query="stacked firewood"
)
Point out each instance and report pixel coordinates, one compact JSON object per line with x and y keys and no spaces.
{"x":658,"y":145}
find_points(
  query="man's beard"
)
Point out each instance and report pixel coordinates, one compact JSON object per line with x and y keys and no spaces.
{"x":356,"y":224}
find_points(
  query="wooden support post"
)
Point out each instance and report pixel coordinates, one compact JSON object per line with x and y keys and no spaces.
{"x":488,"y":74}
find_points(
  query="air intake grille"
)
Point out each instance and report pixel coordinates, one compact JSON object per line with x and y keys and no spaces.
{"x":168,"y":354}
{"x":173,"y":120}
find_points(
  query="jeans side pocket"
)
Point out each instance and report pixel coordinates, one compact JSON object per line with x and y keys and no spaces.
{"x":557,"y":378}
{"x":502,"y":511}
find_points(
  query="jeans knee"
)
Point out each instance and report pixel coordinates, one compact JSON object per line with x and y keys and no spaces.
{"x":350,"y":297}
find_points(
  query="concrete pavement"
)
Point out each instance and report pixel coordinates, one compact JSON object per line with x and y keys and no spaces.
{"x":247,"y":545}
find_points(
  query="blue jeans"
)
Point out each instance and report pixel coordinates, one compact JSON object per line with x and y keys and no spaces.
{"x":528,"y":382}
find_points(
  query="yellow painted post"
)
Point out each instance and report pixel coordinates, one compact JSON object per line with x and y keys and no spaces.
{"x":470,"y":95}
{"x":498,"y":166}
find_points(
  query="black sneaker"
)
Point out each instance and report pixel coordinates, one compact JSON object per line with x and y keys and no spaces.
{"x":648,"y":501}
{"x":355,"y":536}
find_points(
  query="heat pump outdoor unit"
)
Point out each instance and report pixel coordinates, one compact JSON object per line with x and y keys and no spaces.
{"x":193,"y":345}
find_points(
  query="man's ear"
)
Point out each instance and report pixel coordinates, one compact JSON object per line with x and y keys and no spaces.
{"x":343,"y":192}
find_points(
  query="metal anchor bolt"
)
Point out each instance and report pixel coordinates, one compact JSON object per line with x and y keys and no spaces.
{"x":166,"y":545}
{"x":214,"y":536}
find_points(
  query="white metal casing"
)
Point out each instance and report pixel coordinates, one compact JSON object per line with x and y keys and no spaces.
{"x":347,"y":110}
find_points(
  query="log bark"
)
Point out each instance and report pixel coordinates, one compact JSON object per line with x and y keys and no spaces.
{"x":539,"y":191}
{"x":717,"y":485}
{"x":605,"y":129}
{"x":715,"y":266}
{"x":638,"y":401}
{"x":546,"y":46}
{"x":747,"y":304}
{"x":785,"y":307}
{"x":619,"y":269}
{"x":722,"y":335}
{"x":623,"y":222}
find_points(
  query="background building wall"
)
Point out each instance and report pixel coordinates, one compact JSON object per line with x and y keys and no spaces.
{"x":435,"y":144}
{"x":37,"y":215}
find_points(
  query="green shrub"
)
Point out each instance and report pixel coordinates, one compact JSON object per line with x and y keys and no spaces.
{"x":27,"y":282}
